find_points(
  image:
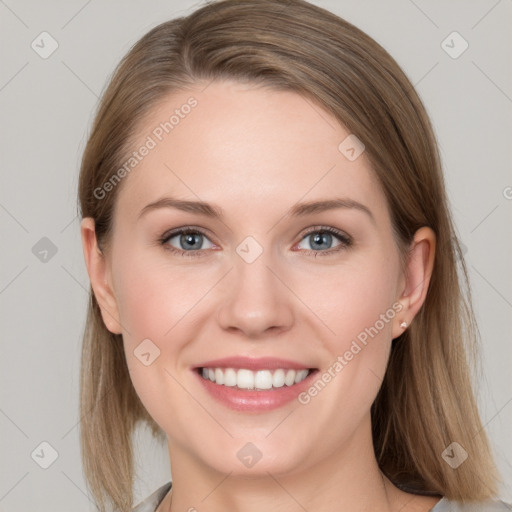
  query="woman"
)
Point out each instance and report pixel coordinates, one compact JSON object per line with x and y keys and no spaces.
{"x":274,"y":280}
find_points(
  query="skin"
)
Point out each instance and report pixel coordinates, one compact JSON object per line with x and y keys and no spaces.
{"x":255,"y":153}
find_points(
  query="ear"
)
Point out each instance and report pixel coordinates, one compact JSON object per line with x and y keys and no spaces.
{"x":99,"y":275}
{"x":418,"y":272}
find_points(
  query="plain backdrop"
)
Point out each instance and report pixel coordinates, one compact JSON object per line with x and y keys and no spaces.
{"x":46,"y":110}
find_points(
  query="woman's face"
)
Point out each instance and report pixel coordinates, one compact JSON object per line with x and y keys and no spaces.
{"x":260,"y":278}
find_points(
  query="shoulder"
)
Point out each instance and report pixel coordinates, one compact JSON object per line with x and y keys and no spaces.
{"x":150,"y":504}
{"x":446,"y":505}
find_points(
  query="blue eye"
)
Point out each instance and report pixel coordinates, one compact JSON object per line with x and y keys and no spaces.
{"x":190,"y":241}
{"x":321,"y":239}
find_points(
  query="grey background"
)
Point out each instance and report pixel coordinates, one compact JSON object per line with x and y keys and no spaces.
{"x":47,"y":107}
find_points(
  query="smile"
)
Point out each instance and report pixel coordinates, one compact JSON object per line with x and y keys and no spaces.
{"x":244,"y":378}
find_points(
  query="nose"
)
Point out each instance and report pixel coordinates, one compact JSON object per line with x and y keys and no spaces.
{"x":256,"y":301}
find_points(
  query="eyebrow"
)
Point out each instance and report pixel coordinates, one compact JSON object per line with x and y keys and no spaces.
{"x":215,"y":212}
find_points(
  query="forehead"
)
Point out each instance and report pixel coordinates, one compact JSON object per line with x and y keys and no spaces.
{"x":243,"y":147}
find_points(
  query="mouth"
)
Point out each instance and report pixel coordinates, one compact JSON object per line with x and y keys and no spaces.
{"x":255,"y":380}
{"x":254,"y":385}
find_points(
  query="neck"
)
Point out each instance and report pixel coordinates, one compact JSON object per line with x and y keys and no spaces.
{"x":348,"y":479}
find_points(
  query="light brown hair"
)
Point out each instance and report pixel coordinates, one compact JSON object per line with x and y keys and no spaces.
{"x":426,"y":400}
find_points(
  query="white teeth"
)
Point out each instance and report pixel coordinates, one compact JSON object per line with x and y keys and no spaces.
{"x":301,"y":375}
{"x":278,"y":378}
{"x":245,"y":379}
{"x":219,"y":376}
{"x":261,"y":379}
{"x":229,"y":377}
{"x":289,"y":380}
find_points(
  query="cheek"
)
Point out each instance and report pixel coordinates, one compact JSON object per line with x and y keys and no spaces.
{"x":154,"y":301}
{"x":357,"y":303}
{"x":352,"y":297}
{"x":158,"y":303}
{"x":154,"y":296}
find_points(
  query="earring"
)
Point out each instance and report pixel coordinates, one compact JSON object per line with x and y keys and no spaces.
{"x":403,"y":325}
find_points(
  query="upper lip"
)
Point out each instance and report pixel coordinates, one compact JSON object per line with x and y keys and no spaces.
{"x":253,"y":363}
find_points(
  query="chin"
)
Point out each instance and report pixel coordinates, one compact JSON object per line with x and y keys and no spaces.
{"x":253,"y":458}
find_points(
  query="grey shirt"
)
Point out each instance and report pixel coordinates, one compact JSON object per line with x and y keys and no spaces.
{"x":150,"y":504}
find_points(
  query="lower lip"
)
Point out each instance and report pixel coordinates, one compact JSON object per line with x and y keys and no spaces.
{"x":247,"y":400}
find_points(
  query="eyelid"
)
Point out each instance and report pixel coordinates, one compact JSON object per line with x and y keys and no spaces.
{"x":180,"y":231}
{"x":184,"y":229}
{"x":344,"y":239}
{"x":327,"y":229}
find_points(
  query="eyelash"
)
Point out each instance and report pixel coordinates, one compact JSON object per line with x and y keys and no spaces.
{"x":345,"y":241}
